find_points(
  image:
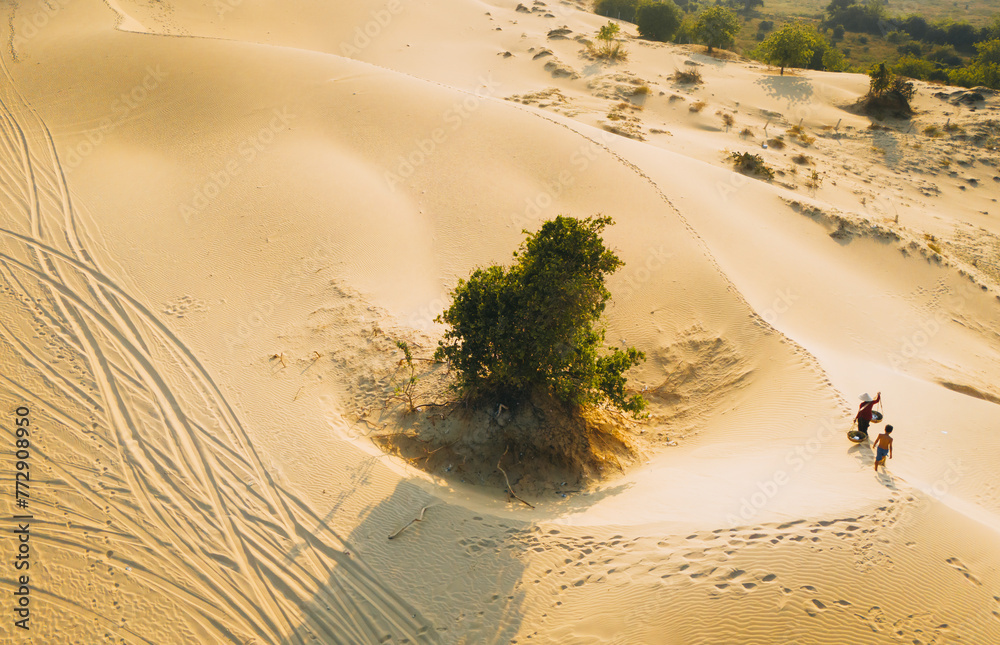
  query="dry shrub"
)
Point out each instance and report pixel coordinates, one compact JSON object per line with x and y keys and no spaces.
{"x":697,"y":107}
{"x":691,"y":78}
{"x":751,"y":164}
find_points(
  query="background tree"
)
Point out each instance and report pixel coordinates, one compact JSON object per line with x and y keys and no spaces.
{"x":791,"y":46}
{"x":747,"y":6}
{"x":621,"y":9}
{"x":658,"y":20}
{"x":534,"y":328}
{"x":984,"y":68}
{"x":717,"y":27}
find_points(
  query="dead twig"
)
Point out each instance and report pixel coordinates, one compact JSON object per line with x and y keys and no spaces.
{"x":510,"y":490}
{"x":416,"y":519}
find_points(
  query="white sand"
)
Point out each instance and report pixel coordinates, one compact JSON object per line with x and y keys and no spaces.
{"x":209,"y":209}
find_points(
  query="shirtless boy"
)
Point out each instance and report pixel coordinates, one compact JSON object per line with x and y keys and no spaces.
{"x":883,"y":447}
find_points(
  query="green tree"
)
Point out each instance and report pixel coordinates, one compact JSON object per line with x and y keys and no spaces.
{"x":717,"y":27}
{"x":621,"y":9}
{"x":608,"y":32}
{"x":880,"y":79}
{"x":658,"y":20}
{"x":534,"y":327}
{"x":914,"y":68}
{"x":610,"y":48}
{"x":791,"y":46}
{"x":747,"y":6}
{"x":984,"y":68}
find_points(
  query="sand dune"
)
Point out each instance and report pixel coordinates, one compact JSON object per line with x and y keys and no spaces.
{"x":216,"y":216}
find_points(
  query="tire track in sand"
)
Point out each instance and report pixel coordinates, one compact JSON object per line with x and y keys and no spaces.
{"x":149,"y":448}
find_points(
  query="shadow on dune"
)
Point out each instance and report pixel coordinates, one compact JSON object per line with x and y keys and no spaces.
{"x":461,"y":572}
{"x":793,"y":89}
{"x":862,"y":453}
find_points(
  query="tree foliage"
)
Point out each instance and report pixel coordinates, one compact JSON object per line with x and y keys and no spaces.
{"x":984,"y":68}
{"x":620,"y":9}
{"x":608,"y":32}
{"x":658,"y":20}
{"x":534,"y":327}
{"x":717,"y":27}
{"x":791,"y":46}
{"x":880,"y":78}
{"x":887,"y":92}
{"x":747,"y":6}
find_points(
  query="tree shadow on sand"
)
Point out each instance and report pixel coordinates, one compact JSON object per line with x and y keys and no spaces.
{"x":792,"y":89}
{"x":460,"y":571}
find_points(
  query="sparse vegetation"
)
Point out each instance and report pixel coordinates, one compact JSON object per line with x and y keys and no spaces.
{"x":801,"y":159}
{"x":692,"y":77}
{"x":746,"y":132}
{"x":727,"y":119}
{"x":751,"y":164}
{"x":778,"y":142}
{"x":697,"y":106}
{"x":932,"y":131}
{"x":610,"y":48}
{"x":796,"y":132}
{"x":405,"y":391}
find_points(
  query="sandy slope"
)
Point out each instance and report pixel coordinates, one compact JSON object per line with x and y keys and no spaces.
{"x":214,"y":215}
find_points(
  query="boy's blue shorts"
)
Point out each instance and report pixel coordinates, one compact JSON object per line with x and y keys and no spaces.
{"x":880,"y":453}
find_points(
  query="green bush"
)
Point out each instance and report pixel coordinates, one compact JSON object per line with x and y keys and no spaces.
{"x":658,"y":20}
{"x":984,"y":68}
{"x":914,"y":68}
{"x":533,"y":328}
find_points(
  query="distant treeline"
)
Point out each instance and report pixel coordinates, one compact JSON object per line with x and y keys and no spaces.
{"x":947,"y":51}
{"x":871,"y":17}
